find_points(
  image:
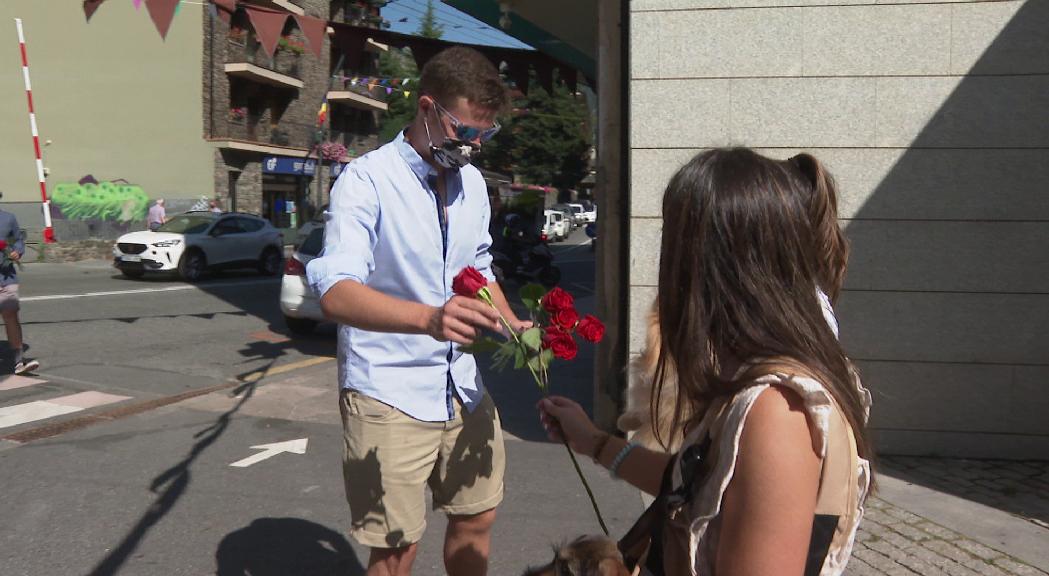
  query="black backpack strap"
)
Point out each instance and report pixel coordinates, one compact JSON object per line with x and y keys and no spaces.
{"x":646,"y":535}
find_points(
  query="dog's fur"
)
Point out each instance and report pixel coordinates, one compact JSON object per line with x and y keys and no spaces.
{"x":637,"y":420}
{"x":584,"y":556}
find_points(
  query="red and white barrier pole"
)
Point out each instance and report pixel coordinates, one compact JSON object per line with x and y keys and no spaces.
{"x":49,"y":232}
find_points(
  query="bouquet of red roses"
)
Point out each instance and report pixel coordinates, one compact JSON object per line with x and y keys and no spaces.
{"x":555,"y":322}
{"x":5,"y":256}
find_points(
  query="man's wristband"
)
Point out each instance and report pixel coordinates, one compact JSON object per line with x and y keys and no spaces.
{"x":600,"y":446}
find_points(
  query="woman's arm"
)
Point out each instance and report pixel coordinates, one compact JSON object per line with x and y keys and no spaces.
{"x":563,"y":418}
{"x":768,"y":509}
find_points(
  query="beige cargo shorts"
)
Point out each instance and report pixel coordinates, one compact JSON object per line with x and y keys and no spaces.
{"x":390,"y":458}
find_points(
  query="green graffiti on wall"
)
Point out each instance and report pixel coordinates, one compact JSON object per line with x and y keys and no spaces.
{"x":103,"y":201}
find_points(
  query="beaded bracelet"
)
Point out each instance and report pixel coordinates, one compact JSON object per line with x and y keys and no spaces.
{"x":620,"y":458}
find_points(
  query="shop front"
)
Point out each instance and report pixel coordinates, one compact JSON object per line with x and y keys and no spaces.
{"x":286,"y":189}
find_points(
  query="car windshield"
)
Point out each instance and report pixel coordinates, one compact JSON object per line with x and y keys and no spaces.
{"x":186,"y":224}
{"x":313,"y":243}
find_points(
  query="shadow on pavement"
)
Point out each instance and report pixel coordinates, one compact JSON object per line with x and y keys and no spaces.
{"x":286,"y":547}
{"x":170,"y":486}
{"x":1017,"y":487}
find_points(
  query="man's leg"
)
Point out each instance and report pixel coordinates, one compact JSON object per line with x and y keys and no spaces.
{"x":14,"y":332}
{"x":468,"y":485}
{"x":466,"y":543}
{"x":392,"y":561}
{"x":387,"y":459}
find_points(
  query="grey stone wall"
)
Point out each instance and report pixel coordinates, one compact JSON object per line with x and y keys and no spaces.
{"x":932,"y":118}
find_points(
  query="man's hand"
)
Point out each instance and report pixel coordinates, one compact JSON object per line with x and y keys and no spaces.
{"x":518,"y":326}
{"x":15,"y":256}
{"x":460,"y":319}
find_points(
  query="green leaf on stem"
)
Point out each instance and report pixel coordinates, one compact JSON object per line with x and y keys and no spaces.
{"x":501,"y":358}
{"x":483,"y":345}
{"x":519,"y":358}
{"x":533,"y":338}
{"x":545,"y":358}
{"x":532,"y":296}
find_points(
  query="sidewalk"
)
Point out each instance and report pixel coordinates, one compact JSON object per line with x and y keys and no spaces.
{"x":930,"y":517}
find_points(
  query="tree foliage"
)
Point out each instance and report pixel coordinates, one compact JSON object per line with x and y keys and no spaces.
{"x":398,"y":63}
{"x":546,"y":140}
{"x":428,"y":26}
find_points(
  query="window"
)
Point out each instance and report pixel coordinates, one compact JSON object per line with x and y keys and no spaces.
{"x":226,"y":226}
{"x":250,"y":224}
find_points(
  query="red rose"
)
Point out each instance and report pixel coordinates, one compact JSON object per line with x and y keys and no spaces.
{"x":591,"y":329}
{"x":3,"y":244}
{"x":565,"y":319}
{"x":468,"y":282}
{"x":557,"y":300}
{"x":562,"y":343}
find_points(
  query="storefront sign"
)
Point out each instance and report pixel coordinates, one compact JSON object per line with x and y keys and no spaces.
{"x":286,"y":165}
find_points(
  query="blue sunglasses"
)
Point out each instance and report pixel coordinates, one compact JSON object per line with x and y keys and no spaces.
{"x":468,"y":133}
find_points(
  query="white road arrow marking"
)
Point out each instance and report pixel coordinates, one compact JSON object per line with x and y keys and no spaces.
{"x":269,"y":450}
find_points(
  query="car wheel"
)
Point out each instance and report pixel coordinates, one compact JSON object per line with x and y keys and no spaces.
{"x":191,"y":265}
{"x":269,"y":263}
{"x":130,"y":273}
{"x":301,"y":326}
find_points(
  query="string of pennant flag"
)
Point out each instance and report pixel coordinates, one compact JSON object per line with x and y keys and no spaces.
{"x":391,"y":85}
{"x":350,"y":40}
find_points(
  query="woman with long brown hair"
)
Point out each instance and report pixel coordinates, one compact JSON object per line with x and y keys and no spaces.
{"x":774,"y":466}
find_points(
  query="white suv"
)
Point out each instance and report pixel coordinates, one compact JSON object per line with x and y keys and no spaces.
{"x":194,"y":242}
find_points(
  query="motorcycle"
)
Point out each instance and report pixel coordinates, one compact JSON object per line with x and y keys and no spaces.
{"x":591,"y":231}
{"x":535,"y":264}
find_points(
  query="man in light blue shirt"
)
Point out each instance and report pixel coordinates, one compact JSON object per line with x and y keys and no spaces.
{"x":404,"y":220}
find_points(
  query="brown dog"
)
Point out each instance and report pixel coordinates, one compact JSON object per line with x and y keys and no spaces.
{"x":637,"y":420}
{"x":584,"y":556}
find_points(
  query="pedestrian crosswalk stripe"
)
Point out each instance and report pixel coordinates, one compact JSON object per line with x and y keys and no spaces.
{"x":12,"y":382}
{"x":43,"y":409}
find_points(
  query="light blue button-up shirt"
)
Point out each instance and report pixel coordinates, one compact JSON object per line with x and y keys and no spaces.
{"x":383,"y":229}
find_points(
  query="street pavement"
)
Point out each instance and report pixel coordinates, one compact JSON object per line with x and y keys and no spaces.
{"x":177,"y":478}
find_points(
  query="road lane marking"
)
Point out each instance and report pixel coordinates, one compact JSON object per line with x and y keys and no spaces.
{"x":297,"y":446}
{"x":260,"y":374}
{"x":13,"y":382}
{"x":201,"y":287}
{"x":43,"y":409}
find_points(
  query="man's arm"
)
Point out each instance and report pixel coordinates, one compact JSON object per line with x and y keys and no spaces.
{"x":459,"y":320}
{"x":15,"y":234}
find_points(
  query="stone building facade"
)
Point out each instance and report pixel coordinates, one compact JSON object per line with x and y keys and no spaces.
{"x":261,"y":113}
{"x":932,"y":117}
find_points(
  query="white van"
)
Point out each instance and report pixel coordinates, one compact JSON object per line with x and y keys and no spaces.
{"x":578,"y":216}
{"x":556,"y":226}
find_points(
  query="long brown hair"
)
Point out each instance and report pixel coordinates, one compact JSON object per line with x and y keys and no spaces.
{"x":747,"y":241}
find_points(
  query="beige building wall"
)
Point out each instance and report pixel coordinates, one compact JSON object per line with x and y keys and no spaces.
{"x":933,"y":117}
{"x":115,"y":100}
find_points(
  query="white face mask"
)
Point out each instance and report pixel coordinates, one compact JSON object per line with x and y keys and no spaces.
{"x":452,"y":153}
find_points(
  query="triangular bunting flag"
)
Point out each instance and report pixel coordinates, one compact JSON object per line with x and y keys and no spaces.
{"x":162,"y":12}
{"x":388,"y":90}
{"x":268,"y":26}
{"x":313,"y":29}
{"x":137,"y":3}
{"x":407,"y":93}
{"x":89,"y":8}
{"x":406,"y":80}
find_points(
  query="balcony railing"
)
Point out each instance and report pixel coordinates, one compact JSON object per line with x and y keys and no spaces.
{"x":246,"y":58}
